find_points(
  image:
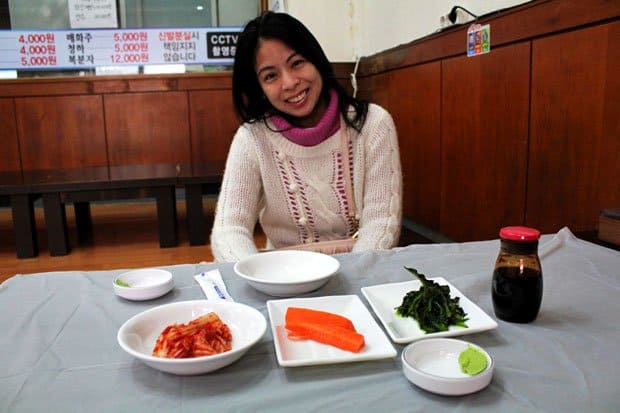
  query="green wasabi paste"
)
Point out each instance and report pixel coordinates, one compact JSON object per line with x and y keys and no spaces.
{"x":118,"y":281}
{"x":472,"y":361}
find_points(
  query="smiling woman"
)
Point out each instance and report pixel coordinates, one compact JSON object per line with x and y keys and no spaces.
{"x":291,"y":83}
{"x":311,"y":163}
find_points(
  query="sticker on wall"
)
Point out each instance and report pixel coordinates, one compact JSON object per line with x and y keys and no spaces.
{"x":478,"y":39}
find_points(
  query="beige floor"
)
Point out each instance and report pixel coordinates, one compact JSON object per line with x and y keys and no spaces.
{"x":124,"y":236}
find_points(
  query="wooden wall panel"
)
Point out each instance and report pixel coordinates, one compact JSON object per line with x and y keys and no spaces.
{"x":414,"y":103}
{"x":519,"y":23}
{"x":60,"y":131}
{"x":484,"y":137}
{"x":375,"y":89}
{"x":147,"y":128}
{"x":213,"y":124}
{"x":10,"y":158}
{"x":574,"y":165}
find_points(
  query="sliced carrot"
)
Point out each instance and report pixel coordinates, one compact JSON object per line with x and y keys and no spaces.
{"x":333,"y":335}
{"x":307,"y":315}
{"x":296,"y":337}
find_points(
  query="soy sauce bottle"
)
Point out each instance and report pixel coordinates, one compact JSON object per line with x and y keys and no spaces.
{"x":517,"y":278}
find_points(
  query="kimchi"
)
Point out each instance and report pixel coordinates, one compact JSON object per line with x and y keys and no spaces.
{"x":204,"y":336}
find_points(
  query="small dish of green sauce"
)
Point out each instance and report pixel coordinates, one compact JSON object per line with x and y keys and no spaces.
{"x":143,"y":284}
{"x":447,"y":366}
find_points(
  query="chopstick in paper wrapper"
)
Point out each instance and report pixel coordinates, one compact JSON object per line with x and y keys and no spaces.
{"x":212,"y":285}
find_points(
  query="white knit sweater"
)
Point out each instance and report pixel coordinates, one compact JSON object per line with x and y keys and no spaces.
{"x":297,"y":192}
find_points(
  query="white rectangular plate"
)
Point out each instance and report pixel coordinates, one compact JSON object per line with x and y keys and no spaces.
{"x":307,"y":352}
{"x":384,"y":299}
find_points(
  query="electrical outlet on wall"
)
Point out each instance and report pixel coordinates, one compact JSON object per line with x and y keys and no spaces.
{"x":444,"y":21}
{"x":456,"y":16}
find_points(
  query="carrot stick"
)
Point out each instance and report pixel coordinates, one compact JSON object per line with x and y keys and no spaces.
{"x":307,"y":315}
{"x":330,"y":334}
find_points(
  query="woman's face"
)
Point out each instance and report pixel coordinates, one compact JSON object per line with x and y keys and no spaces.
{"x":291,"y":83}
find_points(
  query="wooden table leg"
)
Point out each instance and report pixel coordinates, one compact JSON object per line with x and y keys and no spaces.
{"x":56,"y":222}
{"x":167,"y":216}
{"x":195,"y":219}
{"x":24,"y":223}
{"x":83,"y":221}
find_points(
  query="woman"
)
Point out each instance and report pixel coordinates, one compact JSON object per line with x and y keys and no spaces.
{"x":285,"y":166}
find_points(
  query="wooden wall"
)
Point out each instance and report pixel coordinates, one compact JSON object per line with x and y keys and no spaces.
{"x":528,"y":134}
{"x":8,"y":131}
{"x":116,"y":120}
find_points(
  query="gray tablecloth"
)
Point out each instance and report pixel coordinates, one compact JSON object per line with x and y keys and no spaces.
{"x":58,"y":349}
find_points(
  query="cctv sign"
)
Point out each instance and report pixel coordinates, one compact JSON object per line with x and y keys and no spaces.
{"x":222,"y":43}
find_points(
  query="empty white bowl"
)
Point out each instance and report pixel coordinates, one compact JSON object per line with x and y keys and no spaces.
{"x":433,"y":364}
{"x":137,"y":336}
{"x":287,"y":273}
{"x":144,"y":284}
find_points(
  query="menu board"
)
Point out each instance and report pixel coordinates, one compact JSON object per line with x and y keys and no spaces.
{"x":75,"y":49}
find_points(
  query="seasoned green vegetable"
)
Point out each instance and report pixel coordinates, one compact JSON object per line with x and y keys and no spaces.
{"x":432,"y":306}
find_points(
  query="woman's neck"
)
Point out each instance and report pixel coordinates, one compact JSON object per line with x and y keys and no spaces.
{"x":326,"y":126}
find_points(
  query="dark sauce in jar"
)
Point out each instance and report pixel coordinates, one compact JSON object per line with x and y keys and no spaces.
{"x":517,"y":294}
{"x":517,"y":287}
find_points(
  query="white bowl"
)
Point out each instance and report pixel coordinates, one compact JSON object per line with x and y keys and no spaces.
{"x":144,"y":284}
{"x":137,"y":336}
{"x":287,"y":273}
{"x":433,"y":364}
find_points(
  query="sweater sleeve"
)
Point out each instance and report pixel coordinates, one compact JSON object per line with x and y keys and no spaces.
{"x":380,"y":220}
{"x":236,"y":213}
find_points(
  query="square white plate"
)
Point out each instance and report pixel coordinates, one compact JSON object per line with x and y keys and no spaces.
{"x":307,"y":352}
{"x":384,"y":299}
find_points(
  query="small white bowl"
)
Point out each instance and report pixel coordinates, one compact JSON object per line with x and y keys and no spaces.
{"x":433,"y":364}
{"x":287,"y":273}
{"x":137,"y":336}
{"x":144,"y":284}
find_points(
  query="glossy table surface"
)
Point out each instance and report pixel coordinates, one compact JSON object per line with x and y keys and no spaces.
{"x":51,"y":180}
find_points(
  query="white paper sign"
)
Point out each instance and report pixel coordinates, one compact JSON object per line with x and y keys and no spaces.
{"x":92,"y":14}
{"x":277,"y":6}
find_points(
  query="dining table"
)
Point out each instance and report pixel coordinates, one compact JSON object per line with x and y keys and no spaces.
{"x":59,"y":349}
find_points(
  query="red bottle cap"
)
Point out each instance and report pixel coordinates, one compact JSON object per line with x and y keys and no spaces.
{"x":524,"y":234}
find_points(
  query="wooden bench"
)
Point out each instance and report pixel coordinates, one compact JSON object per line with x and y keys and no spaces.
{"x":81,"y":186}
{"x":198,"y":179}
{"x":21,"y":200}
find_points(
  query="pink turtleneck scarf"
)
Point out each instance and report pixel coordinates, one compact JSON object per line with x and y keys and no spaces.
{"x":327,"y":126}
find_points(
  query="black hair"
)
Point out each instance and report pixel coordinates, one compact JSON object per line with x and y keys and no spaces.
{"x":248,"y":98}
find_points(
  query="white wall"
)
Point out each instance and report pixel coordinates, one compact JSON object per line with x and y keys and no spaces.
{"x":331,"y":22}
{"x":348,"y":29}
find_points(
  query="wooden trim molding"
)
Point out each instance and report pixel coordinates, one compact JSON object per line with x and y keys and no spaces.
{"x":88,"y":85}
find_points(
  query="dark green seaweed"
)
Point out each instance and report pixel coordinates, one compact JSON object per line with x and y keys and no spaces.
{"x":431,"y":306}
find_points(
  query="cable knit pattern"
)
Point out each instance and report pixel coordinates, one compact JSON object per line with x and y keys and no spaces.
{"x":339,"y":189}
{"x":297,"y":192}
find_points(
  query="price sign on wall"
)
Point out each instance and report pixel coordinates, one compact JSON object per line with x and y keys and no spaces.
{"x":74,"y":49}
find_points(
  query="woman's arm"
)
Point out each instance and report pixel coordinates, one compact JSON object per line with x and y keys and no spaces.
{"x":236,"y":213}
{"x":380,"y":218}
